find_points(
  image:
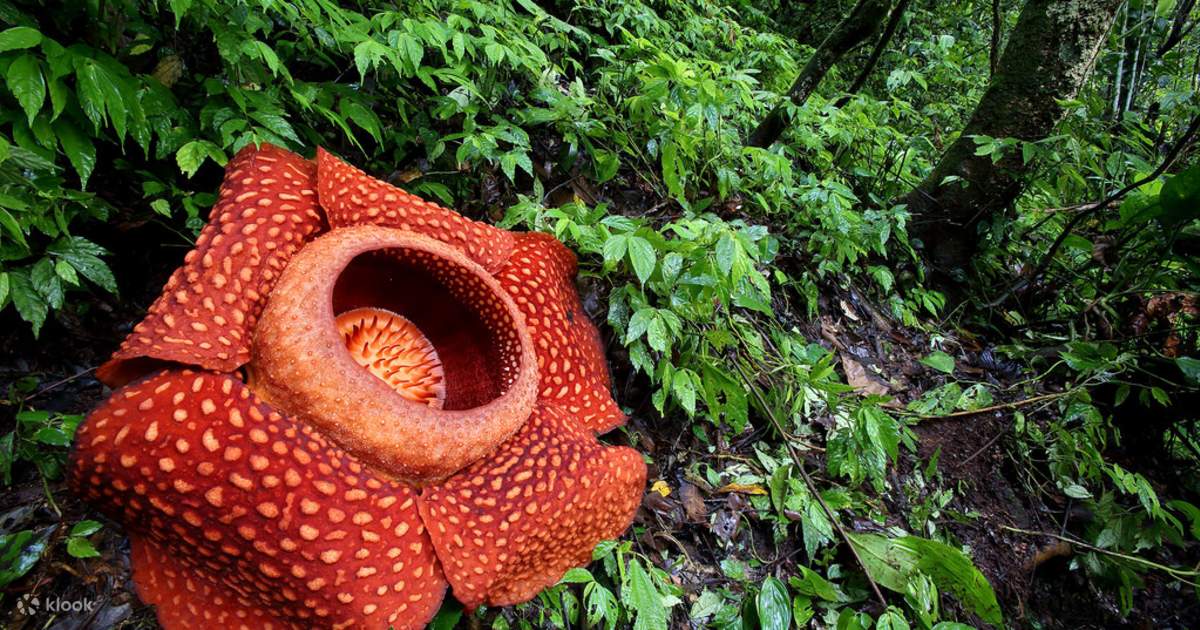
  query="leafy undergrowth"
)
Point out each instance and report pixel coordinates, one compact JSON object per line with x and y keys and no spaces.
{"x":834,"y":440}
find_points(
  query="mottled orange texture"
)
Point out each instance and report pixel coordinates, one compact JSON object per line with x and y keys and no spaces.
{"x":266,"y":211}
{"x":540,"y":277}
{"x":348,"y":399}
{"x":255,"y":507}
{"x":301,"y":365}
{"x":509,"y":526}
{"x":351,"y":197}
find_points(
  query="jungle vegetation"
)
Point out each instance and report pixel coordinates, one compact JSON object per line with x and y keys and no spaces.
{"x":901,"y":296}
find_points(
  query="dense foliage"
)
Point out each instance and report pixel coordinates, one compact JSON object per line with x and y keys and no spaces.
{"x":619,"y":126}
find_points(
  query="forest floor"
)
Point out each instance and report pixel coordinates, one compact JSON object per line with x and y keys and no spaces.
{"x":1030,"y":574}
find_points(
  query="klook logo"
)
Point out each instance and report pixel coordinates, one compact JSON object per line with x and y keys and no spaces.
{"x":30,"y":604}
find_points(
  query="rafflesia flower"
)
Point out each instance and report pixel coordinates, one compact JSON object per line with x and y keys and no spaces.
{"x":348,"y":398}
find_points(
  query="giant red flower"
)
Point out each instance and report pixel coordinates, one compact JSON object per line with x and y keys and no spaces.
{"x":348,"y":398}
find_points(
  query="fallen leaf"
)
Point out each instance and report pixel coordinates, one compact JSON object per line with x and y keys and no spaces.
{"x":848,"y":311}
{"x":661,"y":487}
{"x":742,"y":488}
{"x":856,"y":377}
{"x":693,"y":503}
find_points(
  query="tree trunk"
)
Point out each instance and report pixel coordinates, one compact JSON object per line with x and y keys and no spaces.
{"x":862,"y":22}
{"x":1048,"y":57}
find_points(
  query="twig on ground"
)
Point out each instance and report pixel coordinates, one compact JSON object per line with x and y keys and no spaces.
{"x":808,"y":482}
{"x":1008,"y":405}
{"x":1175,"y":572}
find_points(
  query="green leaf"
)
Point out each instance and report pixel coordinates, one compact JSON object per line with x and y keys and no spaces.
{"x":28,"y":302}
{"x":645,"y":600}
{"x":52,"y":436}
{"x":84,"y":256}
{"x":448,"y":616}
{"x":892,"y":562}
{"x":47,"y":283}
{"x":20,"y":551}
{"x":577,"y":575}
{"x":86,"y":528}
{"x":191,"y":155}
{"x":726,"y":252}
{"x":940,"y":361}
{"x":642,"y":257}
{"x":670,"y":170}
{"x":78,"y":147}
{"x":774,"y":605}
{"x":19,"y":37}
{"x":1189,"y":366}
{"x":27,"y":84}
{"x":79,"y":547}
{"x":615,"y":248}
{"x":1180,"y":196}
{"x":13,"y":227}
{"x":606,"y":163}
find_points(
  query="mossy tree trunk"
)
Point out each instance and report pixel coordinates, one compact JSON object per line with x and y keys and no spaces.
{"x":1048,"y":57}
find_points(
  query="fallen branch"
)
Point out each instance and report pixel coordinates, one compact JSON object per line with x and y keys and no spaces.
{"x":1177,"y":573}
{"x":1008,"y":405}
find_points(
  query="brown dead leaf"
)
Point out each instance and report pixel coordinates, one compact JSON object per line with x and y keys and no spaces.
{"x":848,"y":311}
{"x":857,"y":377}
{"x":693,"y":503}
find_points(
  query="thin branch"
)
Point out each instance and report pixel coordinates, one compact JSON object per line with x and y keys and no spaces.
{"x":808,"y":482}
{"x":1175,"y":572}
{"x":997,"y":26}
{"x":1008,"y":405}
{"x":885,"y":39}
{"x":1172,"y":155}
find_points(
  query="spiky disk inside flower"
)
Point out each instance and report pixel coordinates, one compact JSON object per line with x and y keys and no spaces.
{"x":396,"y":352}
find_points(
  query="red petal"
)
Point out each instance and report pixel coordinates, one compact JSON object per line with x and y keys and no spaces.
{"x":511,"y":524}
{"x":186,"y":600}
{"x":351,"y":197}
{"x":574,"y":374}
{"x":266,"y":211}
{"x":254,"y":507}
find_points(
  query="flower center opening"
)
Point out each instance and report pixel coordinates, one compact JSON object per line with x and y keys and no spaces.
{"x":396,"y":352}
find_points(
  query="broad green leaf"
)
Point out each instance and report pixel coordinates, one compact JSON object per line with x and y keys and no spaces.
{"x":577,"y":575}
{"x":86,"y":528}
{"x":20,"y":551}
{"x":615,"y":248}
{"x":774,"y":605}
{"x":726,"y":251}
{"x":644,"y":599}
{"x":1190,"y":368}
{"x":27,"y":84}
{"x":84,"y":256}
{"x":940,"y":361}
{"x":642,"y":257}
{"x":79,"y":547}
{"x":891,"y":562}
{"x":10,"y":225}
{"x":78,"y":147}
{"x":19,"y":37}
{"x":28,"y":302}
{"x":1180,"y":196}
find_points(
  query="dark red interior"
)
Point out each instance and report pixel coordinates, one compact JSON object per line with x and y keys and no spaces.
{"x":467,"y":348}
